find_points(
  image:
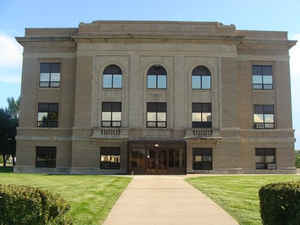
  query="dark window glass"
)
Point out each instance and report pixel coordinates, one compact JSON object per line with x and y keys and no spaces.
{"x":202,"y":159}
{"x":265,"y":158}
{"x":201,"y":115}
{"x":264,"y":117}
{"x":112,"y":77}
{"x":111,"y":114}
{"x":50,"y":75}
{"x":110,"y":158}
{"x":157,"y":77}
{"x":262,"y":77}
{"x":47,"y":115}
{"x":156,"y":115}
{"x":201,"y":78}
{"x":45,"y":157}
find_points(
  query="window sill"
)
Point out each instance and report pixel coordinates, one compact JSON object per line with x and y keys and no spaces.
{"x":47,"y":88}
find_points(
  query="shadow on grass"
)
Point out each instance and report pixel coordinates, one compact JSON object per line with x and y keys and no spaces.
{"x":9,"y":169}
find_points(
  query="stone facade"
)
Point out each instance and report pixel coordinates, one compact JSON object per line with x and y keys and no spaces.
{"x":134,"y":46}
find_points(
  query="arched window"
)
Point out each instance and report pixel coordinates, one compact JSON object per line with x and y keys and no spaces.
{"x":157,"y":77}
{"x":201,"y":78}
{"x":112,"y":77}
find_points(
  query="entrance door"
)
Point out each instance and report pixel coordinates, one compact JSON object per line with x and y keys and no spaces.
{"x":154,"y":158}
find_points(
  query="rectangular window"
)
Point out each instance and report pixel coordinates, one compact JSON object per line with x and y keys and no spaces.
{"x":156,"y":115}
{"x":265,"y":158}
{"x":112,"y":81}
{"x":110,"y":158}
{"x":201,"y":115}
{"x":202,"y":159}
{"x":157,"y":81}
{"x":50,"y":75}
{"x":201,"y":81}
{"x":45,"y":157}
{"x":111,"y":114}
{"x":264,"y":117}
{"x":262,"y":77}
{"x":47,"y":115}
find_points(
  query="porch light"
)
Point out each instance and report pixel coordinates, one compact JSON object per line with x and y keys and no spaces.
{"x":156,"y":145}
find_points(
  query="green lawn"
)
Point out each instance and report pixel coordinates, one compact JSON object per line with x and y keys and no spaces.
{"x":91,"y":197}
{"x":238,"y":195}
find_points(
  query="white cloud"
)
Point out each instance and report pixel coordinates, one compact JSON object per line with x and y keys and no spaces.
{"x":10,"y":52}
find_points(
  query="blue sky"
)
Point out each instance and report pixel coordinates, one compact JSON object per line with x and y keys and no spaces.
{"x":15,"y":15}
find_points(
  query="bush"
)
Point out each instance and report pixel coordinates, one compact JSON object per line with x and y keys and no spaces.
{"x":280,"y":203}
{"x":21,"y":205}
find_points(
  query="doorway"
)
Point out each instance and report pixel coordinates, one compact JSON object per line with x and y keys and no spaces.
{"x":157,"y":157}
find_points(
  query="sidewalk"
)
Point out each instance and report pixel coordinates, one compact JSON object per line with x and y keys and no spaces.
{"x":165,"y":200}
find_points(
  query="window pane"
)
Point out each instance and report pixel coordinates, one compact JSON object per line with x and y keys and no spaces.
{"x":267,"y":79}
{"x":55,"y":67}
{"x":116,"y":123}
{"x":162,"y":82}
{"x":196,"y":82}
{"x":270,"y":159}
{"x":268,"y":109}
{"x":53,"y":107}
{"x":151,"y":116}
{"x":52,"y":116}
{"x":161,"y":124}
{"x":269,"y":118}
{"x":116,"y":116}
{"x":151,"y":81}
{"x":257,"y":86}
{"x":44,"y":83}
{"x":205,"y":82}
{"x":44,"y":76}
{"x":256,"y":79}
{"x":151,"y":124}
{"x":161,"y":116}
{"x":42,"y":116}
{"x":206,"y":117}
{"x":105,"y":123}
{"x":117,"y":81}
{"x":196,"y":117}
{"x":106,"y":116}
{"x":258,"y":118}
{"x":55,"y":76}
{"x":45,"y":68}
{"x":107,"y":81}
{"x":260,"y":159}
{"x":198,"y":158}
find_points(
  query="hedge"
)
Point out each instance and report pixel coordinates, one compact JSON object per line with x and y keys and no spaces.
{"x":21,"y":205}
{"x":280,"y":203}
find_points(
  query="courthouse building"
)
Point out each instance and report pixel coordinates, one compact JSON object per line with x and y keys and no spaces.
{"x":155,"y":97}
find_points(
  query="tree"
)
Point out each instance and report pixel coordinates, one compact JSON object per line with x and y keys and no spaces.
{"x":13,"y":107}
{"x":8,"y":132}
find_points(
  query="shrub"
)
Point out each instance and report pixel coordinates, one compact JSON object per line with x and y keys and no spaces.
{"x":280,"y":203}
{"x":21,"y":205}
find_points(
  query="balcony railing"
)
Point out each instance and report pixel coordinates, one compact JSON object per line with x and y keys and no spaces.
{"x":202,"y":132}
{"x":101,"y":132}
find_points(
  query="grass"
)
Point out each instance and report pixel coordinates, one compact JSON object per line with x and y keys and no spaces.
{"x":238,"y":195}
{"x":91,"y":197}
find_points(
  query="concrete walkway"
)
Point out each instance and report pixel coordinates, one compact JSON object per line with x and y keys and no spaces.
{"x":165,"y":200}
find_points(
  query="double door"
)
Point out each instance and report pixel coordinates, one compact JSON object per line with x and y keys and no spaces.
{"x":163,"y":159}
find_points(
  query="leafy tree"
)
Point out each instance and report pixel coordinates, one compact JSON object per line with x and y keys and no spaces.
{"x":7,"y":136}
{"x":13,"y":107}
